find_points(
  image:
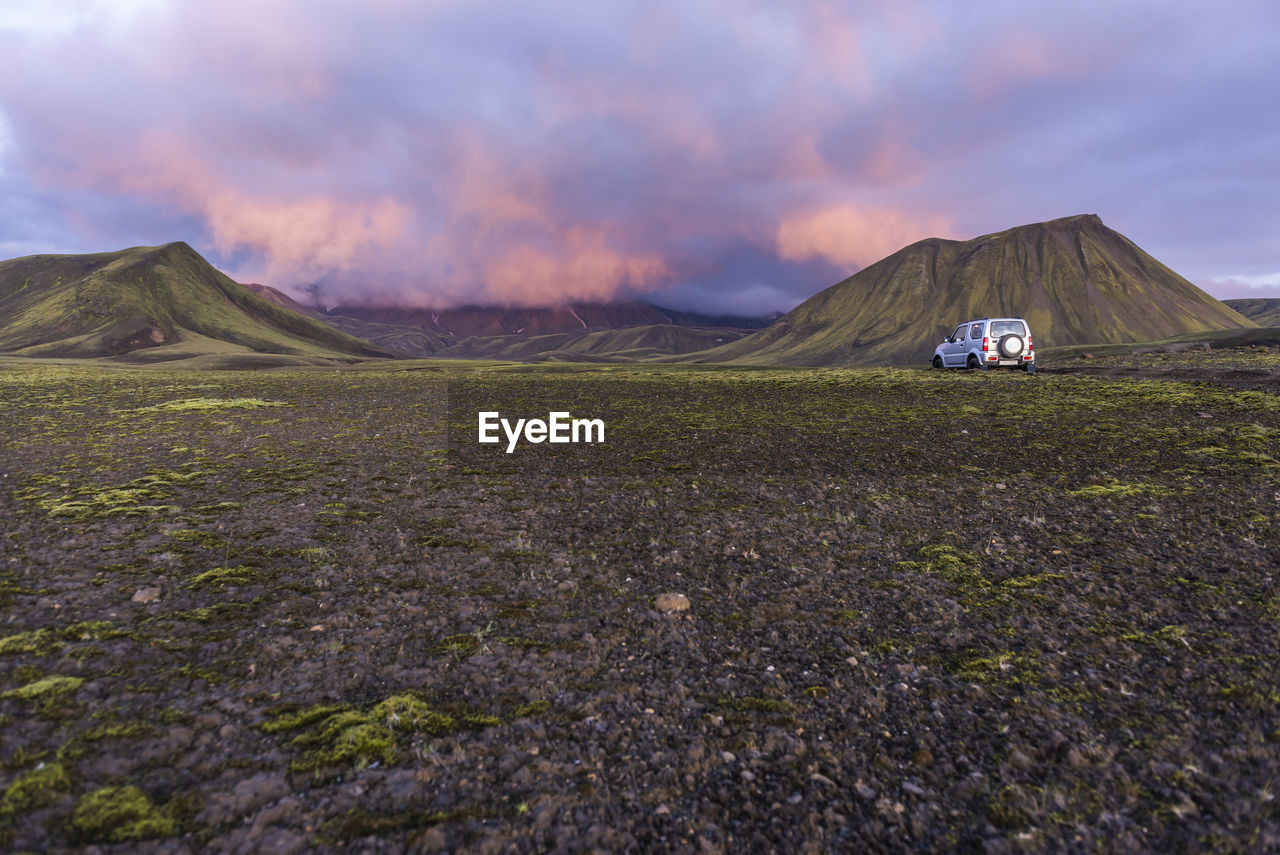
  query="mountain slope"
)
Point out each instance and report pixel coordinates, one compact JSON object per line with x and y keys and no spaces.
{"x":402,"y":339}
{"x":1075,"y":280}
{"x":628,"y":344}
{"x":479,"y":321}
{"x":154,"y":303}
{"x":1263,"y":311}
{"x":494,"y":332}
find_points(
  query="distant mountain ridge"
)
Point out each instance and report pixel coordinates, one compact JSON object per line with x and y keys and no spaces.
{"x":151,"y":303}
{"x":500,"y":332}
{"x":467,"y":321}
{"x":1263,"y":311}
{"x":1075,"y":280}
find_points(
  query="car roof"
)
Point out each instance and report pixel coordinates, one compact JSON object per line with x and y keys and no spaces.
{"x":980,"y":320}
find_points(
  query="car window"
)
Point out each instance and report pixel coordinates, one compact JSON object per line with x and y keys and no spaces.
{"x":975,"y":331}
{"x":958,"y":335}
{"x":999,"y":328}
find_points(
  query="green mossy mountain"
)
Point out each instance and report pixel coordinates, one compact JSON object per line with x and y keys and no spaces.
{"x":1075,"y":281}
{"x":1263,"y":311}
{"x":151,"y":304}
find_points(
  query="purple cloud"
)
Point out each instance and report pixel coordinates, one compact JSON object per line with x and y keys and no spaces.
{"x":701,"y":154}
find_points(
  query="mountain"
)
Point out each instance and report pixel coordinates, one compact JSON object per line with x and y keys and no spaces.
{"x":152,"y":303}
{"x":577,"y":330}
{"x":1263,"y":311}
{"x":467,"y":321}
{"x":1075,"y":281}
{"x":628,"y":344}
{"x":401,"y":339}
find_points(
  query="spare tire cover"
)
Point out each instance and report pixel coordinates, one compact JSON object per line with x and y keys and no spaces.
{"x":1011,"y":345}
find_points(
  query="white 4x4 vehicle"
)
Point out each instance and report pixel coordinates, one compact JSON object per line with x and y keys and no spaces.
{"x":988,"y":343}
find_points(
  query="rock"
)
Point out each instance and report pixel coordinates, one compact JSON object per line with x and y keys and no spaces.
{"x":146,"y":595}
{"x":431,"y":840}
{"x":864,"y":791}
{"x":1020,"y":761}
{"x":819,"y":778}
{"x":913,"y":789}
{"x":671,"y":602}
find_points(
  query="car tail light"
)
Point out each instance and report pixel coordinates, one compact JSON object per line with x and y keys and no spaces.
{"x":1030,"y":346}
{"x":984,"y":343}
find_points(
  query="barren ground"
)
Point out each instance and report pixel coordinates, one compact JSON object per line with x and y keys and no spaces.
{"x":928,"y":611}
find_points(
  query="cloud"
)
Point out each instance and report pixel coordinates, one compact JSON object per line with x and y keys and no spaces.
{"x":852,"y":237}
{"x":1266,"y":285}
{"x":719,"y":151}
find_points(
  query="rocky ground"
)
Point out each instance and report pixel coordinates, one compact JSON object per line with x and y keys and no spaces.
{"x":777,"y":610}
{"x":1249,"y":367}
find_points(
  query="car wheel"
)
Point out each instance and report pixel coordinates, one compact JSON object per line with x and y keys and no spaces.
{"x":937,"y":362}
{"x":972,"y":363}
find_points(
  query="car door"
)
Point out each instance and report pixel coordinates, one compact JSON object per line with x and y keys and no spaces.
{"x":953,"y":352}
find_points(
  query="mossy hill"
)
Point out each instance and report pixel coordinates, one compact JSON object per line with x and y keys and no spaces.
{"x":151,"y":304}
{"x":1263,"y":311}
{"x":1075,"y":280}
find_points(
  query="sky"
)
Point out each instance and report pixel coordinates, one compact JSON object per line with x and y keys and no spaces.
{"x":701,"y":154}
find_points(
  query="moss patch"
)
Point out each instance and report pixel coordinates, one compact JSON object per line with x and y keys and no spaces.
{"x":207,"y":404}
{"x":46,"y":688}
{"x":34,"y":789}
{"x":117,"y":814}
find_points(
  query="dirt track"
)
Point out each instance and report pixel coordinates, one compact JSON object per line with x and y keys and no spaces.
{"x":926,"y":611}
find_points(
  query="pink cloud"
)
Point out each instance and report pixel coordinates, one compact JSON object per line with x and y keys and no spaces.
{"x":301,"y":236}
{"x":849,"y":236}
{"x":581,"y":267}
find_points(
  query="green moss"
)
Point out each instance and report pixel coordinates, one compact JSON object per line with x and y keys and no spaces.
{"x":303,"y":718}
{"x":45,"y":689}
{"x":406,"y":713}
{"x":211,"y":404}
{"x":954,"y":565}
{"x":458,"y":644}
{"x":334,"y":736}
{"x":345,"y":739}
{"x":220,"y":577}
{"x":1032,"y":581}
{"x":999,"y":667}
{"x":1115,"y":489}
{"x":35,"y":789}
{"x":36,"y":641}
{"x":118,"y":814}
{"x":532,"y":709}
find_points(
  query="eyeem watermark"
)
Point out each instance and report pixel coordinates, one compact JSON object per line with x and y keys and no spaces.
{"x":559,"y":427}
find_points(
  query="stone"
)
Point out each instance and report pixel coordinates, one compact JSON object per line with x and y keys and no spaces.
{"x":671,"y":603}
{"x":146,"y":595}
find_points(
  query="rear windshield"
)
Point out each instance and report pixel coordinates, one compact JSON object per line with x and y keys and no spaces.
{"x":999,"y":328}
